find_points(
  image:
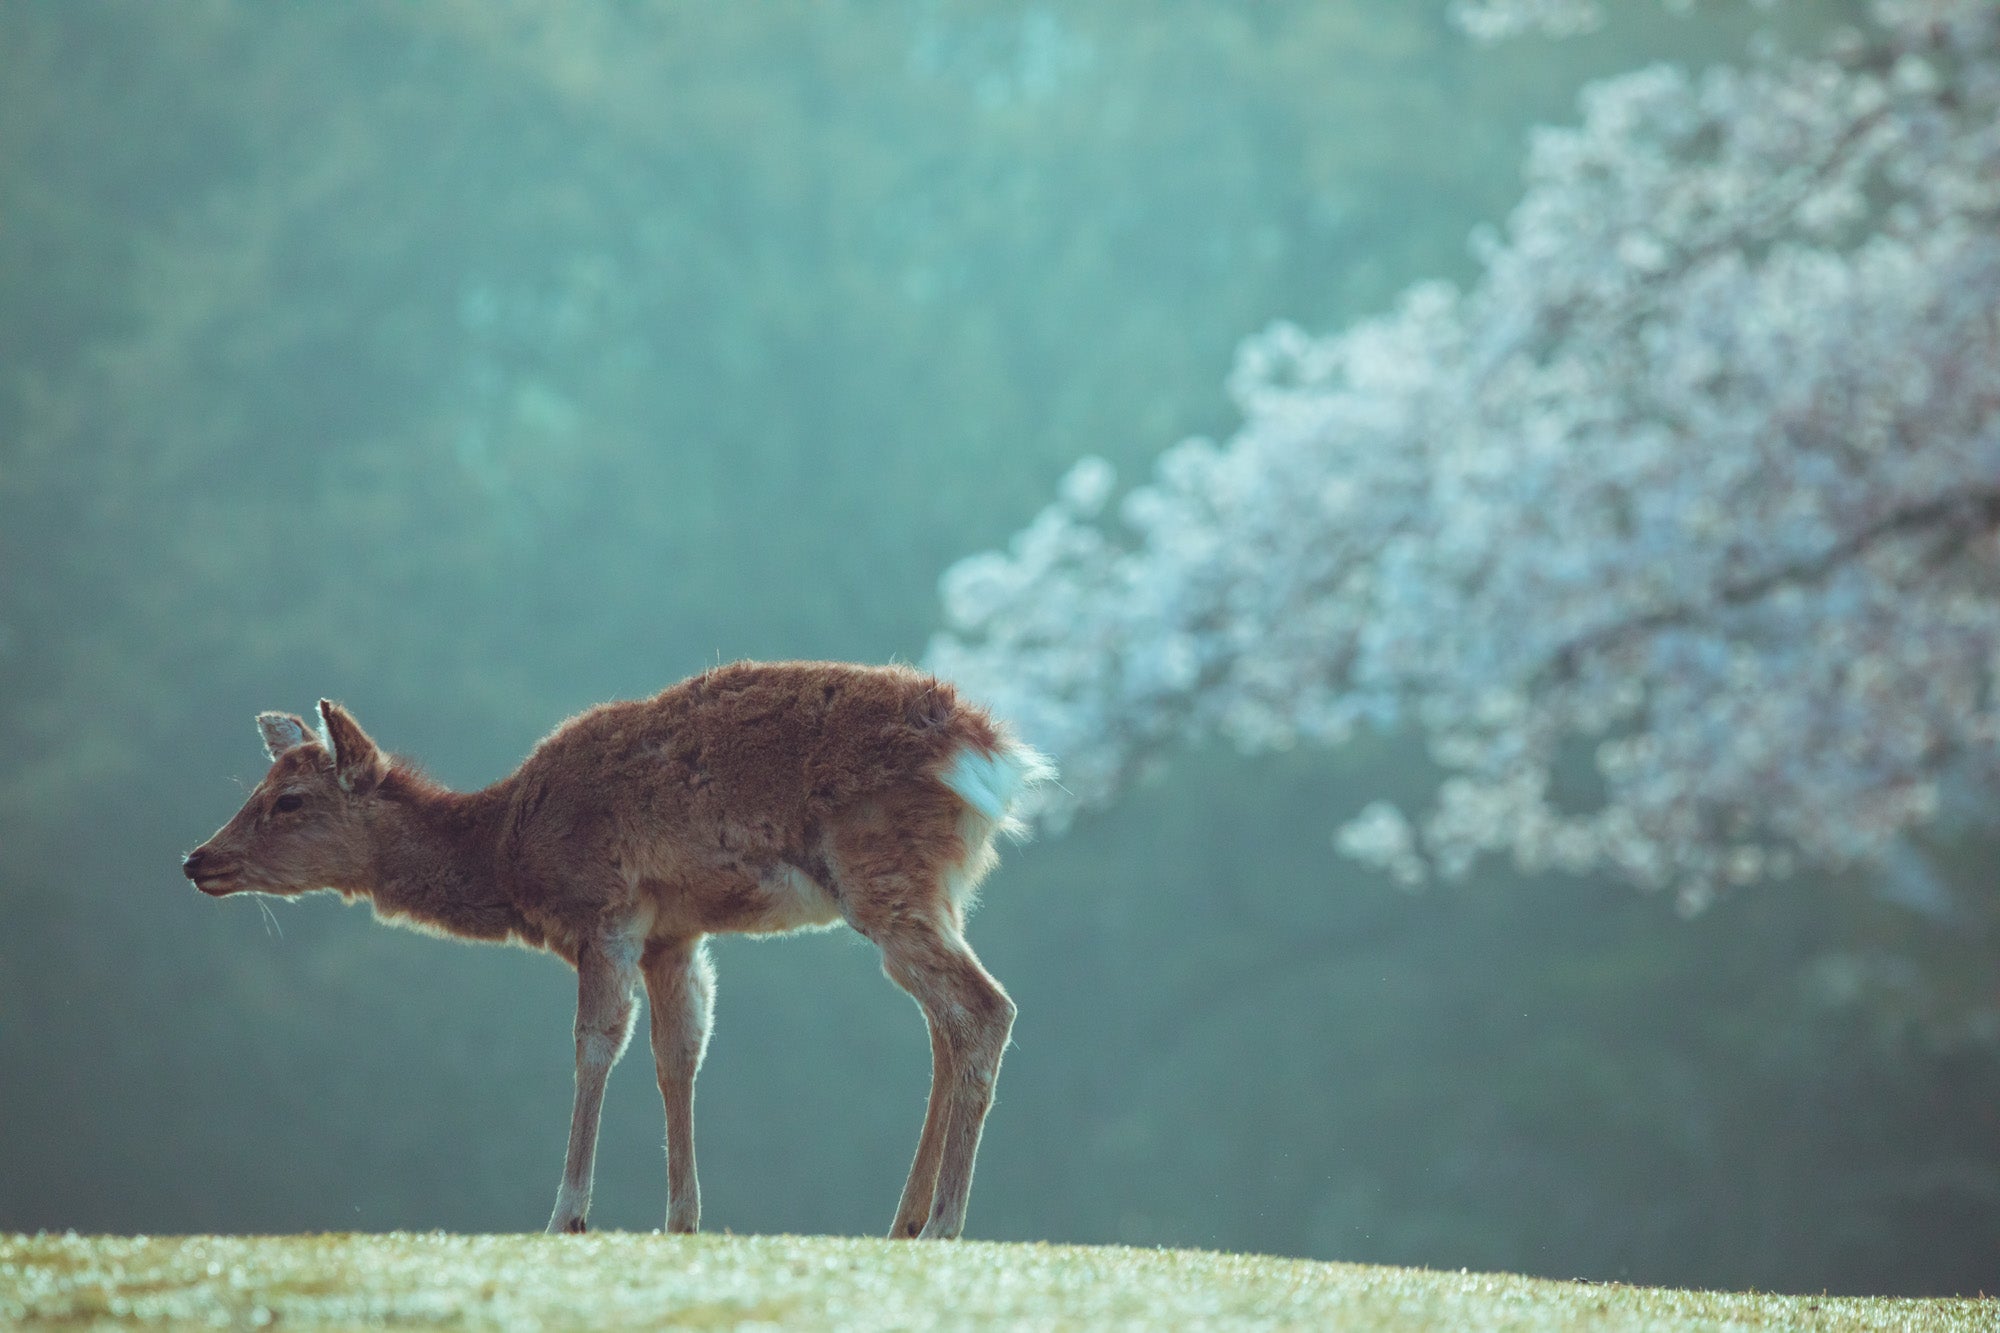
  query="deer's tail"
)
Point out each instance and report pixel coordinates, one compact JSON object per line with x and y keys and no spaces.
{"x":992,"y":781}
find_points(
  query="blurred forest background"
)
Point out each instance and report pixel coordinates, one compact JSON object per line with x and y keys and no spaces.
{"x":473,"y":362}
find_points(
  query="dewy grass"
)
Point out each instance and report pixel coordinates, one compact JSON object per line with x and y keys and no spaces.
{"x":618,"y":1280}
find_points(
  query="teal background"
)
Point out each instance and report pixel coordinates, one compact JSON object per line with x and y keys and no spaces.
{"x":472,"y":363}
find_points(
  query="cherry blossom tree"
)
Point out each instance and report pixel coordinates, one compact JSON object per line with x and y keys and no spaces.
{"x":1695,"y":493}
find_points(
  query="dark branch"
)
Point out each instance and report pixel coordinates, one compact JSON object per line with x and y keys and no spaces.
{"x":1958,"y":515}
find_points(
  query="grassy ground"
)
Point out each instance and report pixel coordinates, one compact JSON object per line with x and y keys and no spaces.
{"x":623,"y":1280}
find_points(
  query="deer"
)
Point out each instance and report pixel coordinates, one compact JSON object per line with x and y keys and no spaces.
{"x":754,"y":799}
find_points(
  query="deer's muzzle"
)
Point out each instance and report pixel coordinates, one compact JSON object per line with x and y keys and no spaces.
{"x":210,"y":878}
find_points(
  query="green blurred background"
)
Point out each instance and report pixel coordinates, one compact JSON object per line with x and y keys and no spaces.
{"x":474,"y":362}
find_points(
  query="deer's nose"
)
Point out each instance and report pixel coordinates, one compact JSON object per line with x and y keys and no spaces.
{"x":191,"y":863}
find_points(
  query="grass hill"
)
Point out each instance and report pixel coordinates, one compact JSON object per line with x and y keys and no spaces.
{"x":619,"y":1280}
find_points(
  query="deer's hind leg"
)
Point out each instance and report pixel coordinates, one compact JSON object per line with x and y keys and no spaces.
{"x":895,"y":863}
{"x":607,"y":974}
{"x":970,"y":1017}
{"x":680,"y":989}
{"x":913,"y":1213}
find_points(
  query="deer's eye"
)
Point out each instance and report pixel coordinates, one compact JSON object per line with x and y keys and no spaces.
{"x":289,"y":802}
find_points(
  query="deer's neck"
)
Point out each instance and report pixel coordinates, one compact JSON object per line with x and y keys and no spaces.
{"x":436,"y":861}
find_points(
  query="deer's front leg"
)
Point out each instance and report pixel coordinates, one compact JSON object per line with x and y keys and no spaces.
{"x":680,"y":987}
{"x":607,"y":973}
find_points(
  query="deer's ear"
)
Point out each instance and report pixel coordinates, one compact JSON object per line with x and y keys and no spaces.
{"x":282,"y":732}
{"x":356,"y":762}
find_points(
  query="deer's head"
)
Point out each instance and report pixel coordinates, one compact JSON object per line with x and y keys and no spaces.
{"x":306,"y":825}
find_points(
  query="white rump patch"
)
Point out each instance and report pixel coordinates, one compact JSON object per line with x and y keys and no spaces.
{"x":991,"y":783}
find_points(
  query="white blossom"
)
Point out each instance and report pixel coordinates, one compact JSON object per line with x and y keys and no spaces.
{"x":1491,"y":20}
{"x":1700,"y":482}
{"x":1495,"y":20}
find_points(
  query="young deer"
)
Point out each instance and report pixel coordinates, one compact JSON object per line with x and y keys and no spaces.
{"x":754,"y":798}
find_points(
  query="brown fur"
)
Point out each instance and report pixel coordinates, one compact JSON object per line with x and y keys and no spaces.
{"x":754,"y":798}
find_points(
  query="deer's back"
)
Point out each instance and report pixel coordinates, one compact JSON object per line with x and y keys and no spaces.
{"x":735,"y":772}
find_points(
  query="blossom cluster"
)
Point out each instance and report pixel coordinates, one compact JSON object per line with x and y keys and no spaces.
{"x":1691,"y":502}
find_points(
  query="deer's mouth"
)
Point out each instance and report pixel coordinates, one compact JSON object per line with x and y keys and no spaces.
{"x":216,"y":883}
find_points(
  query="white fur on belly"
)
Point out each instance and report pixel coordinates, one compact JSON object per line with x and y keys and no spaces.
{"x":795,"y":901}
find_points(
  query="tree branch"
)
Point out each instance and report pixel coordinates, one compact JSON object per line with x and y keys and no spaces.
{"x":1962,"y":514}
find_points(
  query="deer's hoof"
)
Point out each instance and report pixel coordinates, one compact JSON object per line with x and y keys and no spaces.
{"x":567,"y":1226}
